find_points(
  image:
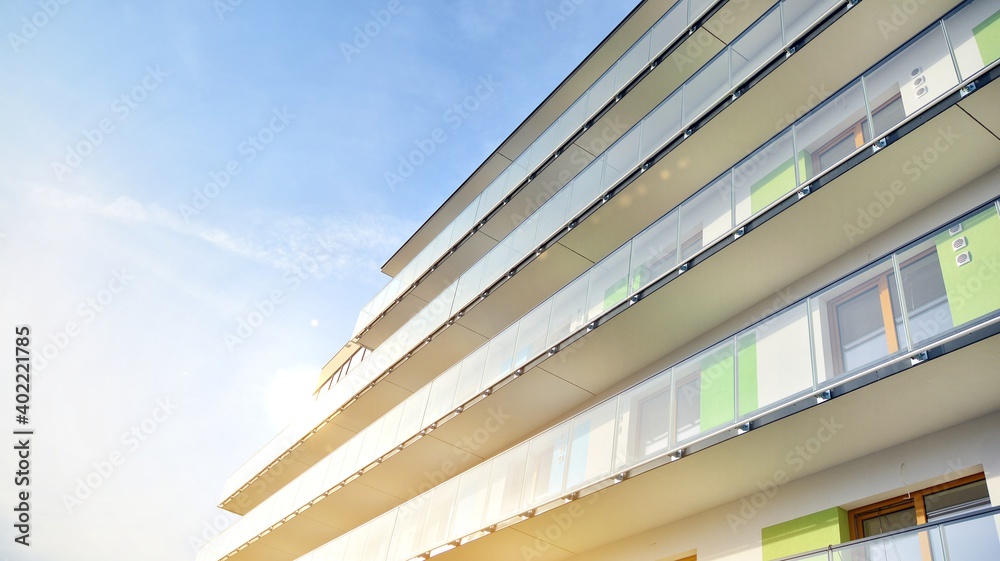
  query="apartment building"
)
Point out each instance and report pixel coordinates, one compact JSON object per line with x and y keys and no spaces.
{"x":730,"y":292}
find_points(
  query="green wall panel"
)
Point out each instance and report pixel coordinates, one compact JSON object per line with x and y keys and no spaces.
{"x":815,"y":531}
{"x":974,"y":289}
{"x":987,"y":36}
{"x":718,"y":388}
{"x":747,"y":361}
{"x":776,"y":184}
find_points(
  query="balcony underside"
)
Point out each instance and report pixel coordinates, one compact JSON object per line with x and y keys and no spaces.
{"x":961,"y":385}
{"x":674,"y":70}
{"x":693,"y":303}
{"x":625,"y":350}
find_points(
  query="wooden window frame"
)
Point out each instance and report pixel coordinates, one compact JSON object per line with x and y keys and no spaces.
{"x":914,"y":500}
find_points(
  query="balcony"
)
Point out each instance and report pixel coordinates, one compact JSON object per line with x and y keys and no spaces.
{"x":804,"y":360}
{"x":834,"y":339}
{"x":972,"y":537}
{"x":398,"y":353}
{"x":636,"y":267}
{"x":674,"y":47}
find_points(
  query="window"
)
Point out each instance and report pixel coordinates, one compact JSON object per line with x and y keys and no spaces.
{"x":960,"y":496}
{"x":867,"y":323}
{"x":883,"y":117}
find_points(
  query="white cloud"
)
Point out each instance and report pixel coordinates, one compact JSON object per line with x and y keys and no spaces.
{"x":320,"y":247}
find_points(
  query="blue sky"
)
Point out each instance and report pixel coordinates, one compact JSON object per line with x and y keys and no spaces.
{"x":168,"y":168}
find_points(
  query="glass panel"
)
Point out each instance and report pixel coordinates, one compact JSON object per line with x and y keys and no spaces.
{"x":463,"y":223}
{"x":696,"y":7}
{"x":387,"y":439}
{"x":379,"y":532}
{"x":468,"y":285}
{"x":632,"y":61}
{"x":622,"y":157}
{"x":569,"y":310}
{"x":704,"y":392}
{"x":500,"y":357}
{"x":756,"y":45}
{"x":409,"y":525}
{"x":439,"y":310}
{"x":706,"y":216}
{"x":546,"y":468}
{"x":572,"y":118}
{"x":706,"y":87}
{"x":661,"y":124}
{"x":506,"y":481}
{"x":370,"y":443}
{"x":413,"y":414}
{"x":542,"y":147}
{"x":773,"y":360}
{"x":672,"y":24}
{"x":972,"y":540}
{"x":608,"y":283}
{"x":522,"y":240}
{"x":591,"y":445}
{"x":854,"y":321}
{"x":470,"y":381}
{"x":471,"y":504}
{"x":654,"y":252}
{"x":831,"y":132}
{"x":909,"y":80}
{"x":356,"y":542}
{"x":531,"y":334}
{"x":351,"y":453}
{"x":442,"y":395}
{"x":924,"y":297}
{"x":585,"y":188}
{"x":335,"y":461}
{"x":798,"y":14}
{"x":905,"y":546}
{"x":949,"y":280}
{"x":764,"y":177}
{"x":552,"y":215}
{"x":601,"y":91}
{"x":496,"y":263}
{"x":643,"y":421}
{"x":975,"y":35}
{"x":440,"y":504}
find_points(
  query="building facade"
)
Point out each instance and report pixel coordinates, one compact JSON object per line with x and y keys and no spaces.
{"x":730,"y":292}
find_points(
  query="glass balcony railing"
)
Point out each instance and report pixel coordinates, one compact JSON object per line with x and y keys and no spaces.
{"x":776,"y":169}
{"x":971,"y":537}
{"x":670,"y":29}
{"x":791,"y":17}
{"x":908,"y":301}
